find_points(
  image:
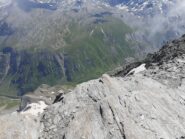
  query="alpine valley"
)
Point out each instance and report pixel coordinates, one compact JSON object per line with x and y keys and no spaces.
{"x":71,"y":41}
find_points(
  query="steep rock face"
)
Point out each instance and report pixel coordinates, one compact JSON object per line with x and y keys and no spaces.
{"x":146,"y":102}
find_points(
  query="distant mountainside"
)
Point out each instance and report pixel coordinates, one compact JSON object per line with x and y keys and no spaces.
{"x":143,"y":7}
{"x":54,"y":43}
{"x":58,"y":42}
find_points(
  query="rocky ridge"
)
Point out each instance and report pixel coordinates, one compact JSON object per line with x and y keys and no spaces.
{"x":146,"y":102}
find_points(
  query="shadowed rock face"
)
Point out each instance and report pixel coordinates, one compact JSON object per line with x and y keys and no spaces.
{"x":142,"y":104}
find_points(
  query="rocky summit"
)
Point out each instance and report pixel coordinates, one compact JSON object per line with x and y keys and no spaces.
{"x":143,"y":100}
{"x":147,"y":102}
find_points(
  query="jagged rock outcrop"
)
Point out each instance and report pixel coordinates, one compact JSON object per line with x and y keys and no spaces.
{"x":147,"y":102}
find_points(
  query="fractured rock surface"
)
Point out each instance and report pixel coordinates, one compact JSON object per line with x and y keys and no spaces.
{"x":18,"y":126}
{"x":136,"y":107}
{"x":144,"y":101}
{"x":147,"y":104}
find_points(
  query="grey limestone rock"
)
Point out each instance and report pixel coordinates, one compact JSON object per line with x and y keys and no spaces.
{"x":147,"y":104}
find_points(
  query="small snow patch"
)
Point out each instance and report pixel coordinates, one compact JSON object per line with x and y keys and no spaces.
{"x":91,"y":33}
{"x":35,"y":108}
{"x":181,"y":60}
{"x":52,"y":92}
{"x":122,"y":7}
{"x":138,"y":69}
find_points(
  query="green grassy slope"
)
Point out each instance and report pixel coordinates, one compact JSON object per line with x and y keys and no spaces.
{"x":8,"y":103}
{"x":97,"y":48}
{"x":50,"y":48}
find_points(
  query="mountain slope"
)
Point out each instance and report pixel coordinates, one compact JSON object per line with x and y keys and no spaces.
{"x":143,"y":100}
{"x":41,"y":45}
{"x":147,"y":102}
{"x":58,"y":42}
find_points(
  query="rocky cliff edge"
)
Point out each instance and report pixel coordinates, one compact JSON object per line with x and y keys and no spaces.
{"x":144,"y":100}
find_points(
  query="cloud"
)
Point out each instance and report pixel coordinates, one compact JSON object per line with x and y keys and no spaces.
{"x":165,"y":26}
